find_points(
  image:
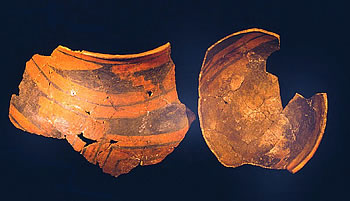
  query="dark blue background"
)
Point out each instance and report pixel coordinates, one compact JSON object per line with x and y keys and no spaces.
{"x":313,"y":58}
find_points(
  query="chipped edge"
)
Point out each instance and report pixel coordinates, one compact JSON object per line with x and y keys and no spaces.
{"x":161,"y":48}
{"x":200,"y":75}
{"x":295,"y":168}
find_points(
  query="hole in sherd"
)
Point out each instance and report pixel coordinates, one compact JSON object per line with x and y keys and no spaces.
{"x":86,"y":140}
{"x":150,"y":93}
{"x":113,"y":141}
{"x":87,"y":112}
{"x":225,"y":102}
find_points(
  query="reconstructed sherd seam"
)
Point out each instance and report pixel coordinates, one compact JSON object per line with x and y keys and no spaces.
{"x":118,"y":111}
{"x":240,"y":108}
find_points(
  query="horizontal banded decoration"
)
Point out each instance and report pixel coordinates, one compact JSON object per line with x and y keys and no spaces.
{"x":118,"y":111}
{"x":240,"y":109}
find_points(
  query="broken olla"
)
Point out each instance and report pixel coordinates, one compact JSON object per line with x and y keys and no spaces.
{"x":118,"y":111}
{"x":240,"y":110}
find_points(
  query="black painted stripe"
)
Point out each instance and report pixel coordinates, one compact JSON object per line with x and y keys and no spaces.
{"x":116,"y":146}
{"x":107,"y":157}
{"x":26,"y":102}
{"x":224,"y":67}
{"x":28,"y":119}
{"x":219,"y":47}
{"x":169,"y":119}
{"x":82,"y":151}
{"x":42,"y":72}
{"x":80,"y":99}
{"x":224,"y":44}
{"x":116,"y":165}
{"x":267,"y":48}
{"x":234,"y":61}
{"x":78,"y":113}
{"x":13,"y":119}
{"x":97,"y":152}
{"x":208,"y":66}
{"x":103,"y":79}
{"x":173,"y":114}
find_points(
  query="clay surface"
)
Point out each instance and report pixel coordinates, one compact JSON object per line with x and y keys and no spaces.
{"x":240,"y":109}
{"x":118,"y":111}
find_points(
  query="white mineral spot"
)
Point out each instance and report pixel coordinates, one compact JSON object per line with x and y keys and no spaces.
{"x":73,"y":93}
